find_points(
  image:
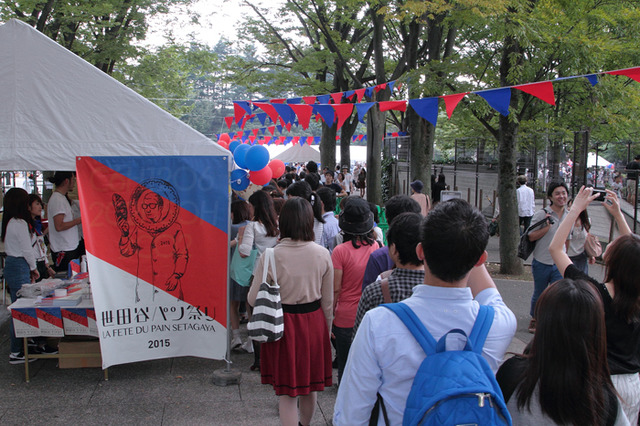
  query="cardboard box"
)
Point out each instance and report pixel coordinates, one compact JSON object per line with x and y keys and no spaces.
{"x":69,"y":349}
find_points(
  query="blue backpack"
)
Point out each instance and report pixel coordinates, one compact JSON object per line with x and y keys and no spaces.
{"x":453,"y":387}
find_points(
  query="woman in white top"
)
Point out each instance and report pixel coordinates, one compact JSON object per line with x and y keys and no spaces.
{"x":63,"y":234}
{"x":20,"y":264}
{"x":262,"y":233}
{"x":575,"y":245}
{"x":39,"y":247}
{"x":263,"y":230}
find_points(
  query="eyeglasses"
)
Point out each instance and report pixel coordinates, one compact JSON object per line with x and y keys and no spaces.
{"x":149,"y":206}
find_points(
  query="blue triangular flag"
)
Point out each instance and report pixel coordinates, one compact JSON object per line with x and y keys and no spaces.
{"x":498,"y":99}
{"x":368,"y":92}
{"x":262,"y":116}
{"x":316,"y":140}
{"x":326,"y":112}
{"x":349,"y":93}
{"x":390,"y":86}
{"x":262,"y":129}
{"x":294,"y":101}
{"x":426,"y":108}
{"x":593,"y":79}
{"x":251,"y":118}
{"x":323,"y":99}
{"x":362,"y":109}
{"x":244,"y":105}
{"x":285,"y":112}
{"x":279,"y":127}
{"x":287,"y":140}
{"x":364,"y":138}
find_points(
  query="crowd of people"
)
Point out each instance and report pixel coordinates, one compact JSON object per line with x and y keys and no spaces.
{"x":580,"y":368}
{"x":25,"y":244}
{"x":335,"y":271}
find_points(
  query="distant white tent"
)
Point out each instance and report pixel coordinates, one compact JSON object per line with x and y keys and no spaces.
{"x":591,"y":161}
{"x":56,"y":106}
{"x":299,"y":153}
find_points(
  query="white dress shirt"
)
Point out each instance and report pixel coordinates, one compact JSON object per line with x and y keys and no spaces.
{"x":526,"y":201}
{"x":384,"y":356}
{"x":18,"y":241}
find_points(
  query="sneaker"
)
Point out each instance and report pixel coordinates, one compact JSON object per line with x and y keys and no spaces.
{"x":47,"y":350}
{"x":532,"y":326}
{"x":18,"y":358}
{"x":247,"y":346}
{"x":236,"y":342}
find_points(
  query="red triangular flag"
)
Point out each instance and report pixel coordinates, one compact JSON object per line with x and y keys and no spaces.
{"x":394,"y":105}
{"x":343,"y":112}
{"x":632,"y":73}
{"x":252,"y":138}
{"x":267,"y":139}
{"x":269,"y":109}
{"x":360,"y":94}
{"x":288,"y":127}
{"x":451,"y":102}
{"x":277,"y":101}
{"x":296,"y":139}
{"x":244,"y":121}
{"x":239,"y":133}
{"x":255,"y":132}
{"x":542,"y":91}
{"x":238,"y":112}
{"x":271,"y":129}
{"x":229,"y":121}
{"x":337,"y":97}
{"x":309,"y":100}
{"x":304,"y":114}
{"x":380,"y":87}
{"x":281,"y":121}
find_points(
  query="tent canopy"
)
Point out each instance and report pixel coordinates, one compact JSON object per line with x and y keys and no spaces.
{"x":56,"y":106}
{"x":299,"y":154}
{"x":591,"y":161}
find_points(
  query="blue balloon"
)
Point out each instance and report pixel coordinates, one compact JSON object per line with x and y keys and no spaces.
{"x":233,"y":145}
{"x":257,"y":158}
{"x":239,"y":180}
{"x":240,"y":155}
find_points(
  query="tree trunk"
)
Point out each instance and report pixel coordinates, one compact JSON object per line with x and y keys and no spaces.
{"x":328,"y":145}
{"x":507,"y":172}
{"x":509,"y":234}
{"x":375,"y":133}
{"x":422,"y":135}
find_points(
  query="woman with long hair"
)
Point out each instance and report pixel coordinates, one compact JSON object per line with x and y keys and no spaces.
{"x":303,"y":190}
{"x":563,"y":377}
{"x":39,"y":247}
{"x":20,"y":265}
{"x":620,"y":294}
{"x":64,"y":238}
{"x":349,"y":263}
{"x":262,"y":233}
{"x":299,"y":364}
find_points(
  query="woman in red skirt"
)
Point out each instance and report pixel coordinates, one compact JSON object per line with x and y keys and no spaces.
{"x":299,"y":364}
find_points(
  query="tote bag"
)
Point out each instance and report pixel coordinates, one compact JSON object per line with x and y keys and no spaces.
{"x":241,"y":268}
{"x":267,"y":320}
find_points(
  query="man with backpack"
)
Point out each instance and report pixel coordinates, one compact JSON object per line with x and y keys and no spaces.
{"x":386,"y":360}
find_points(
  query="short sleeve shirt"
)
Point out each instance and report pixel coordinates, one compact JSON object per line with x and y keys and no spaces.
{"x":68,"y":239}
{"x":541,"y":251}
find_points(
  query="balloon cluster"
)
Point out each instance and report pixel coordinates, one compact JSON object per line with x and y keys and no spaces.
{"x":253,"y":162}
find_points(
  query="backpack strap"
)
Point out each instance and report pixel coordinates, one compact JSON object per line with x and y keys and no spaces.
{"x":386,"y":294}
{"x":415,"y":326}
{"x":481,"y":327}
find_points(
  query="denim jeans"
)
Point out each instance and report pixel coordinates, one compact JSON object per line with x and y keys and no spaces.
{"x":543,"y":275}
{"x":16,"y":273}
{"x":343,"y":344}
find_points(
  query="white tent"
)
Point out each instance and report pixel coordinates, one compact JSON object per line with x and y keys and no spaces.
{"x":55,"y":106}
{"x":591,"y":161}
{"x":299,"y":153}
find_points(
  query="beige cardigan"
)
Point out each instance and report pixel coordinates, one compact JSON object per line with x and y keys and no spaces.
{"x":305,"y":274}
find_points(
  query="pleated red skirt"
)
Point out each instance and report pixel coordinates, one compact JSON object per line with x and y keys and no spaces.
{"x":300,"y":362}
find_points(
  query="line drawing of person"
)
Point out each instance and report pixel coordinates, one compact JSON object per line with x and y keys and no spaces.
{"x":161,"y":246}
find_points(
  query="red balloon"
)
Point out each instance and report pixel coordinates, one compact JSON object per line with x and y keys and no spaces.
{"x":277,"y":167}
{"x":223,"y":144}
{"x":224,"y":137}
{"x":261,"y":177}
